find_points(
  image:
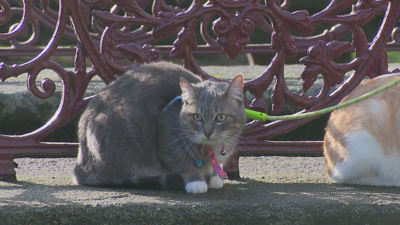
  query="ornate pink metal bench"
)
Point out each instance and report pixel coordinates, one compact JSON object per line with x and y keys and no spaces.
{"x":122,"y":30}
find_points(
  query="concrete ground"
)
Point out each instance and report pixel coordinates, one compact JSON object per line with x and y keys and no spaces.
{"x":273,"y":190}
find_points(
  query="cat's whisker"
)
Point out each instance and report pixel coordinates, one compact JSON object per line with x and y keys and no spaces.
{"x":181,"y":137}
{"x":238,"y":142}
{"x":182,"y":146}
{"x":249,"y":140}
{"x":178,"y":139}
{"x":189,"y":144}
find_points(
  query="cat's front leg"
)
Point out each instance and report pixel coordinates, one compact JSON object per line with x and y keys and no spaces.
{"x":195,"y":183}
{"x":216,"y":182}
{"x":201,"y":186}
{"x":195,"y":187}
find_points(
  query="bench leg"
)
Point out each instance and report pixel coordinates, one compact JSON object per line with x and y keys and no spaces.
{"x":231,"y":167}
{"x":7,"y":172}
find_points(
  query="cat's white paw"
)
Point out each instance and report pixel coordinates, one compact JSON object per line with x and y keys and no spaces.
{"x":216,"y":182}
{"x":196,"y":187}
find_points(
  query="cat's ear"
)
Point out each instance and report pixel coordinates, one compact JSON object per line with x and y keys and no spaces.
{"x":189,"y":93}
{"x":235,"y":89}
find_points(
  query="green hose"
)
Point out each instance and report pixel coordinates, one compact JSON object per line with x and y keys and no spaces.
{"x":251,"y":114}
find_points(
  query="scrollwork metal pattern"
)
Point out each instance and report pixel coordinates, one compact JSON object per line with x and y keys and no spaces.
{"x":113,"y":38}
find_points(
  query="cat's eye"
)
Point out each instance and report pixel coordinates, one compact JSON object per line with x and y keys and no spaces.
{"x":221,"y":117}
{"x":197,"y":117}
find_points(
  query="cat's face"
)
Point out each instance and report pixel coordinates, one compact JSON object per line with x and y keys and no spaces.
{"x":213,"y":113}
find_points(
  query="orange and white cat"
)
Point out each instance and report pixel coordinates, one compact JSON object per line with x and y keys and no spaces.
{"x":362,"y":141}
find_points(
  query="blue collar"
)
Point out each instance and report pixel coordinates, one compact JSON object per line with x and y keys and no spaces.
{"x":199,"y":162}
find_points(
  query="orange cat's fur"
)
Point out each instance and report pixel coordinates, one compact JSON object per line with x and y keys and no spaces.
{"x":362,"y":141}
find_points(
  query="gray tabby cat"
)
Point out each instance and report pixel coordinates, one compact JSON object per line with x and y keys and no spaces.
{"x":130,"y":138}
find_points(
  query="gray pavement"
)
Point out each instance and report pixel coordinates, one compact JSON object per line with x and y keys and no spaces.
{"x":273,"y":190}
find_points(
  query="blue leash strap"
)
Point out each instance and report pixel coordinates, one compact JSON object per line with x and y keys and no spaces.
{"x":177,"y":98}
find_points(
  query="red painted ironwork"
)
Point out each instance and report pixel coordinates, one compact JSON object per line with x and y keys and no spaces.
{"x":122,"y":29}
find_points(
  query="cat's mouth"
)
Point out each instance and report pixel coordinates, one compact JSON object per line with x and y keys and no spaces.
{"x":212,"y":141}
{"x":206,"y":141}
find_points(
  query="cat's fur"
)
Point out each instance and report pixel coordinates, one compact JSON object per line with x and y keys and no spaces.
{"x":126,"y":140}
{"x":362,"y":141}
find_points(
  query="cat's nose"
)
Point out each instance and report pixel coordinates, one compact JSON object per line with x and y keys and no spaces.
{"x":208,"y":134}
